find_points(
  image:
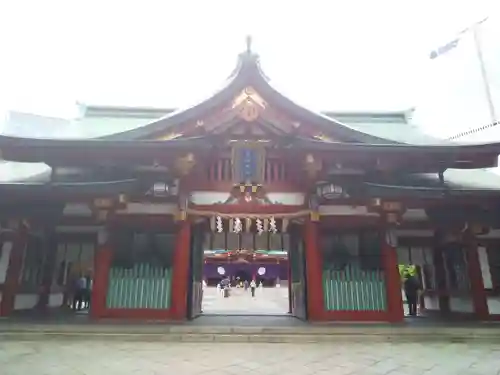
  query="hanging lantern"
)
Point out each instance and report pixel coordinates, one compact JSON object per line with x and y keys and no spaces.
{"x":160,"y":189}
{"x":330,"y":191}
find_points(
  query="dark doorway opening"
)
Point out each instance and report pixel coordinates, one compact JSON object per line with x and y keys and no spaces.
{"x":235,"y":258}
{"x":213,"y":281}
{"x":242,"y":276}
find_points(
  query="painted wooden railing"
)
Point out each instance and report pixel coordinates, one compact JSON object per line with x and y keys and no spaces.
{"x":220,"y":170}
{"x":275,"y":171}
{"x":140,"y":287}
{"x":353,"y":289}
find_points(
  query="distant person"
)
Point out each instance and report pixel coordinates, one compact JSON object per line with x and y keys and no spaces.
{"x":87,"y":293}
{"x":253,"y":285}
{"x":412,"y":288}
{"x":245,"y":285}
{"x":79,"y":295}
{"x":71,"y":288}
{"x":225,"y":284}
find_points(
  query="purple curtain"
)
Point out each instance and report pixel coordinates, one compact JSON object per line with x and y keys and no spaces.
{"x":272,"y":271}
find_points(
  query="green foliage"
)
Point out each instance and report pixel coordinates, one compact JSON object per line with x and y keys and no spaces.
{"x":405,"y":269}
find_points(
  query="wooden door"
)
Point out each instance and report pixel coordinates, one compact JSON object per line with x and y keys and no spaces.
{"x":297,"y":261}
{"x":195,"y":287}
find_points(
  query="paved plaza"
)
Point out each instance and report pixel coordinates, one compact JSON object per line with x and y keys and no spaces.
{"x":145,"y":358}
{"x":98,"y":355}
{"x":267,"y":301}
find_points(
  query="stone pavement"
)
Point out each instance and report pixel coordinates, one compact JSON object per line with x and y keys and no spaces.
{"x":102,"y":357}
{"x":267,"y":301}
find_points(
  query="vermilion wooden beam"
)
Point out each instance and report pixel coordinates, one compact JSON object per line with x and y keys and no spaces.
{"x":314,"y":271}
{"x":248,"y":209}
{"x":478,"y":294}
{"x":11,"y":284}
{"x":392,"y":277}
{"x":181,"y":272}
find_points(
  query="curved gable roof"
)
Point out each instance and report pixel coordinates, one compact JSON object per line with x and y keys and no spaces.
{"x":248,"y":73}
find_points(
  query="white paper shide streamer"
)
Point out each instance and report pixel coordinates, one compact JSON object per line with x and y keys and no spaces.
{"x":237,"y":225}
{"x":218,"y":224}
{"x":260,"y":227}
{"x":272,"y":225}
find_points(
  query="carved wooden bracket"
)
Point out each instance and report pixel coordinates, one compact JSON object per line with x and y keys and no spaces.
{"x":313,"y":166}
{"x":185,"y":164}
{"x":102,"y":207}
{"x":181,"y":214}
{"x":391,"y":212}
{"x":315,"y":216}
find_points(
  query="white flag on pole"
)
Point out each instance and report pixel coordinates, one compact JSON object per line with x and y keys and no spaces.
{"x":444,"y":49}
{"x":451,"y":45}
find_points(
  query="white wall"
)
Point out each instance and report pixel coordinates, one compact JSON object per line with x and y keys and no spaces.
{"x":431,"y":303}
{"x":56,"y":299}
{"x":4,"y":260}
{"x":494,"y":304}
{"x":461,"y":304}
{"x":485,"y":267}
{"x":25,"y":301}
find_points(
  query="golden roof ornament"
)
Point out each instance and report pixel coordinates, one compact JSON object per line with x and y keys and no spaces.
{"x":248,"y":104}
{"x":249,"y":111}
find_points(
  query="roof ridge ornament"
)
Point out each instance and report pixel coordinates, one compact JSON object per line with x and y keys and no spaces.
{"x":247,"y":60}
{"x":249,"y":54}
{"x":248,"y":41}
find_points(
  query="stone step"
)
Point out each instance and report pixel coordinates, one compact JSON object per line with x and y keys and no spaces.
{"x":303,"y":334}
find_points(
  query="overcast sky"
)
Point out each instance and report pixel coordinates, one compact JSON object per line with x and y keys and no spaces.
{"x":324,"y":54}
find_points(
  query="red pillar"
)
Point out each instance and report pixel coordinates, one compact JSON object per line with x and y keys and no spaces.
{"x":102,"y":264}
{"x":19,"y":239}
{"x":392,"y":277}
{"x":314,"y":268}
{"x":479,"y":297}
{"x":181,"y":271}
{"x":289,"y":284}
